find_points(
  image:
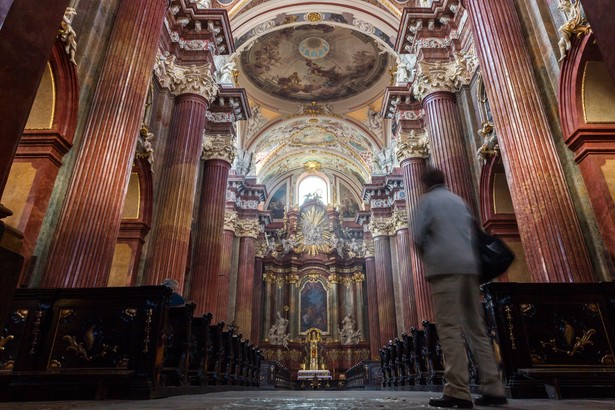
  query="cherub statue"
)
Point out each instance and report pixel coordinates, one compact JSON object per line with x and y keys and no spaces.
{"x":576,"y":25}
{"x":67,"y":34}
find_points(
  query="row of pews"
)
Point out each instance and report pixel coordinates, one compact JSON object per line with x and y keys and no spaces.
{"x":413,"y":361}
{"x":551,"y":340}
{"x":123,"y":343}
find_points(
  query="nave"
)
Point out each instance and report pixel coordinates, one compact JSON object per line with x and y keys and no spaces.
{"x":287,"y":400}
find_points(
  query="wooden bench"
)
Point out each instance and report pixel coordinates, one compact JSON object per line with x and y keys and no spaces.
{"x":563,"y":382}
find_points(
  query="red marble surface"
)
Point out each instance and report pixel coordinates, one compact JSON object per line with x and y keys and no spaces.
{"x":87,"y":229}
{"x":447,"y":141}
{"x":208,"y":236}
{"x":387,"y":321}
{"x":245,"y":286}
{"x":226,"y":253}
{"x":407,"y":284}
{"x":372,"y":307}
{"x":171,"y":234}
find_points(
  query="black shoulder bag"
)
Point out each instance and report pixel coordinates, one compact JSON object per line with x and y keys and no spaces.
{"x":494,"y":256}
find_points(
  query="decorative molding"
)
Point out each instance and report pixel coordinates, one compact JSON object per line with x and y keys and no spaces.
{"x":444,"y":76}
{"x":368,"y":246}
{"x":247,"y":228}
{"x":380,"y":226}
{"x":144,"y":145}
{"x":185,"y":79}
{"x":412,"y":145}
{"x":218,"y":147}
{"x":230,"y":221}
{"x":400,"y":220}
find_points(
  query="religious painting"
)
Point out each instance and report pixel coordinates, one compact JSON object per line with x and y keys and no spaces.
{"x":315,"y":62}
{"x":277,"y":203}
{"x":313,"y":307}
{"x":348,"y":204}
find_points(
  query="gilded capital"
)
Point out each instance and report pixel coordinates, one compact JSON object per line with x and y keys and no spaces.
{"x":380,"y":226}
{"x":358,"y":277}
{"x":400,"y":220}
{"x":230,"y":220}
{"x":368,"y":247}
{"x":444,"y":75}
{"x":190,"y":79}
{"x":218,"y":147}
{"x":247,"y":227}
{"x":412,"y":145}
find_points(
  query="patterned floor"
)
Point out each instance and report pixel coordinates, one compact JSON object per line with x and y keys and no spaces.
{"x":313,"y":400}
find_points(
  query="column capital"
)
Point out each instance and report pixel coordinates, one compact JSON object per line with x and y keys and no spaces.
{"x":218,"y":146}
{"x":380,"y":226}
{"x":412,"y":145}
{"x":399,"y":220}
{"x":230,"y":221}
{"x":247,"y":228}
{"x":181,"y":79}
{"x":368,"y":247}
{"x":444,"y":75}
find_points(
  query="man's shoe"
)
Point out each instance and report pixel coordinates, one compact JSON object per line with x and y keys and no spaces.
{"x":486,"y":400}
{"x":449,"y":401}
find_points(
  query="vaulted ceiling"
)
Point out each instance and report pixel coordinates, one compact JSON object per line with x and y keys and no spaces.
{"x":315,"y":73}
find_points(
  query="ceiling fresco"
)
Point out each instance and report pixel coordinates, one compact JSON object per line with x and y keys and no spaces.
{"x":315,"y":62}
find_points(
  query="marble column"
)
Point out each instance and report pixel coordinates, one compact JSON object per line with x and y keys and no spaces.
{"x":268,"y":279}
{"x":257,"y":301}
{"x":380,"y":228}
{"x":372,"y":300}
{"x":247,"y":230}
{"x":434,"y":87}
{"x":408,"y":300}
{"x":550,"y":232}
{"x":334,"y":300}
{"x":218,"y":154}
{"x":358,"y":280}
{"x":411,"y":153}
{"x":194,"y":89}
{"x":86,"y":231}
{"x":224,"y":278}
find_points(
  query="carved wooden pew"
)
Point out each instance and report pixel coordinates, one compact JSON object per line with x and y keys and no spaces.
{"x":197,"y":370}
{"x":418,"y":357}
{"x":215,"y":355}
{"x":84,"y":343}
{"x":433,"y":354}
{"x":554,"y":339}
{"x":408,"y":363}
{"x":178,"y":343}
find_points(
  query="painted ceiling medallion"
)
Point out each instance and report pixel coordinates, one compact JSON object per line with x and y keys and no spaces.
{"x":314,"y":62}
{"x":314,"y":48}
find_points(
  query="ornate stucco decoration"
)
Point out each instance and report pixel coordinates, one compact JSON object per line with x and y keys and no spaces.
{"x":226,"y":70}
{"x":412,"y":145}
{"x":364,"y":26}
{"x":490,"y":147}
{"x":410,"y":114}
{"x":144,"y":145}
{"x":218,"y":147}
{"x":314,"y":235}
{"x":349,"y":335}
{"x":185,"y":79}
{"x":255,"y":122}
{"x":358,"y":277}
{"x":314,"y":109}
{"x":368,"y":247}
{"x":576,"y":25}
{"x":400,"y":220}
{"x":444,"y":76}
{"x":374,"y":121}
{"x":67,"y":33}
{"x":247,"y":228}
{"x":230,"y":220}
{"x":406,"y":68}
{"x":380,"y":226}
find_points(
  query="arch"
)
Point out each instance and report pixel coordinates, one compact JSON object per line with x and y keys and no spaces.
{"x":591,"y":137}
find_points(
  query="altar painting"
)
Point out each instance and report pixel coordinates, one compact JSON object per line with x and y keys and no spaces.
{"x":313,"y":307}
{"x":277,"y":203}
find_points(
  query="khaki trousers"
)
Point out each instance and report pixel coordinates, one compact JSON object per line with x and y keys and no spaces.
{"x":457,"y":308}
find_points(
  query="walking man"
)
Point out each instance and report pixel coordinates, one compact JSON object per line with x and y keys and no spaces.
{"x":443,"y":231}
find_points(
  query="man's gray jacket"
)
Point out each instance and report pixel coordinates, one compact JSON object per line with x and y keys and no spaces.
{"x":443,"y":231}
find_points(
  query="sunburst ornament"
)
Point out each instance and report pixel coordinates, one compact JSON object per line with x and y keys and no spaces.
{"x":314,"y":234}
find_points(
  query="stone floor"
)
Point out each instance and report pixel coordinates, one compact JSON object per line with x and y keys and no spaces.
{"x":313,"y":400}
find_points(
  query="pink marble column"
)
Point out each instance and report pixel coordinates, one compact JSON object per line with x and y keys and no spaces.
{"x":210,"y":225}
{"x":412,"y":160}
{"x":402,"y":237}
{"x":87,"y":229}
{"x":448,"y":145}
{"x":554,"y":247}
{"x":226,"y":256}
{"x":257,"y":301}
{"x":248,"y":231}
{"x":372,"y":305}
{"x":384,"y":279}
{"x":170,"y":241}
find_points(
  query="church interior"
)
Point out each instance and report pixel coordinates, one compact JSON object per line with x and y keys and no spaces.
{"x":267,"y":156}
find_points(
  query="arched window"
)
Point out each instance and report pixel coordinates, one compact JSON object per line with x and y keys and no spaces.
{"x":313,"y":186}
